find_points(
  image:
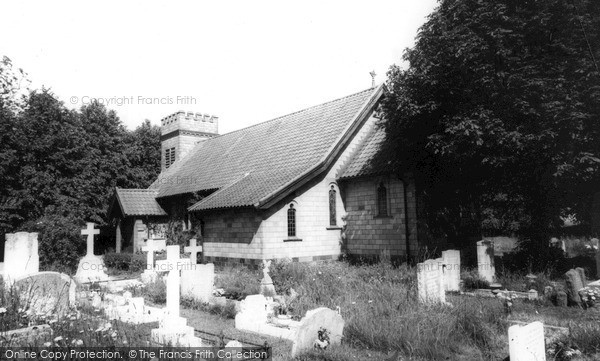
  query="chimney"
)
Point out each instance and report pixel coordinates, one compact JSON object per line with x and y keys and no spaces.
{"x":181,"y":131}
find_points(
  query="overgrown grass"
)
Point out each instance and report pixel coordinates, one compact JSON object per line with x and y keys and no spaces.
{"x":380,"y":307}
{"x":238,"y":282}
{"x":226,"y":310}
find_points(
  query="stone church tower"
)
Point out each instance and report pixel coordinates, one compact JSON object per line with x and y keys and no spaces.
{"x":181,"y":131}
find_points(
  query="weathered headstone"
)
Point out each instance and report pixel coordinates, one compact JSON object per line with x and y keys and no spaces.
{"x":193,"y":250}
{"x":574,"y":284}
{"x":526,"y":343}
{"x":20,"y":255}
{"x":46,"y":293}
{"x":598,"y":262}
{"x":266,"y":284}
{"x":320,"y":319}
{"x":197,"y":283}
{"x":485,"y":260}
{"x":451,"y":269}
{"x":581,"y":272}
{"x":91,"y":267}
{"x":430,"y":281}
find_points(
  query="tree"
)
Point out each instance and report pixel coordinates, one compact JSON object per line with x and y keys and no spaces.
{"x":143,"y":156}
{"x":500,"y":109}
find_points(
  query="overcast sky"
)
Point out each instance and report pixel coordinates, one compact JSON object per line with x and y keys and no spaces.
{"x":244,"y":61}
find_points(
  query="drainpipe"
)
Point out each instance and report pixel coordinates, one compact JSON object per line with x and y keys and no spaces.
{"x":406,"y":228}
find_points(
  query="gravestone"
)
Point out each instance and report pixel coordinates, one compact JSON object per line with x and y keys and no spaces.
{"x":598,"y":262}
{"x":451,"y":269}
{"x":581,"y":272}
{"x":20,"y":255}
{"x":46,"y":293}
{"x":198,"y":282}
{"x":173,"y":329}
{"x":574,"y":284}
{"x":307,"y":333}
{"x":562,"y":300}
{"x":485,"y":260}
{"x":266,"y":284}
{"x":152,"y":245}
{"x":253,"y":313}
{"x":193,"y":250}
{"x":91,"y":267}
{"x":526,"y":343}
{"x":430,"y":281}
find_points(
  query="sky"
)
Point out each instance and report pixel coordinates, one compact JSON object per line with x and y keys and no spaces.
{"x":243,"y":61}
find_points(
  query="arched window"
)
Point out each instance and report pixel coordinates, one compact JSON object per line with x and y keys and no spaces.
{"x":382,"y":206}
{"x":291,"y":215}
{"x":332,"y":198}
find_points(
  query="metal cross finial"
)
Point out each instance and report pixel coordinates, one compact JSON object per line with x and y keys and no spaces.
{"x":372,"y":73}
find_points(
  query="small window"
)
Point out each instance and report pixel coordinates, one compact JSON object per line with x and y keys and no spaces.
{"x":382,"y":205}
{"x":291,"y":215}
{"x":169,"y":157}
{"x":332,"y":198}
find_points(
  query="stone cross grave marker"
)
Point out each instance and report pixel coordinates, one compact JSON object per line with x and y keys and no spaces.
{"x":526,"y":343}
{"x":193,"y":249}
{"x":91,"y":267}
{"x":90,"y":232}
{"x":451,"y":260}
{"x":151,"y":247}
{"x":173,"y":281}
{"x":430,"y":281}
{"x":485,"y":260}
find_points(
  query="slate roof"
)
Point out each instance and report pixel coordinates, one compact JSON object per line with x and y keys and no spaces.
{"x":368,"y":159}
{"x":139,"y":202}
{"x":250,"y":165}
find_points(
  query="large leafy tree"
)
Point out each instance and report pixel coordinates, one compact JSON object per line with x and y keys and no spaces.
{"x":498,"y":113}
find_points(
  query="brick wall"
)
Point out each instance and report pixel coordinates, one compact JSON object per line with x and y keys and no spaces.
{"x":368,"y":234}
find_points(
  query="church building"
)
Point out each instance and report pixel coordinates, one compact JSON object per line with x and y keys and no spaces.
{"x":306,"y":186}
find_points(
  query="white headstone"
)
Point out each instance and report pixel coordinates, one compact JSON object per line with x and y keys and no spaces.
{"x":307,"y":333}
{"x":20,"y":255}
{"x":91,"y":267}
{"x":485,"y":260}
{"x":526,"y":343}
{"x":173,"y":329}
{"x":430,"y":281}
{"x":173,"y":281}
{"x":151,"y":246}
{"x":197,"y":283}
{"x":451,"y":260}
{"x":253,"y":312}
{"x":193,"y":249}
{"x":90,"y":232}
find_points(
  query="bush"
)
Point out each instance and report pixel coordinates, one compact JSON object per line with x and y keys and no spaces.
{"x":60,"y":241}
{"x":156,"y":291}
{"x":472,"y":280}
{"x":127,"y":262}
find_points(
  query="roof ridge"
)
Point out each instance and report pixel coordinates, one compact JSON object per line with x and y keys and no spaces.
{"x":292,"y":113}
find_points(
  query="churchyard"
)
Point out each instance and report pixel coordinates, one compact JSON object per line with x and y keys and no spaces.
{"x":436,"y":310}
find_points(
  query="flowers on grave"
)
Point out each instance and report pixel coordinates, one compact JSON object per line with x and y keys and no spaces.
{"x":322,"y":340}
{"x":590,"y":296}
{"x":2,"y":310}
